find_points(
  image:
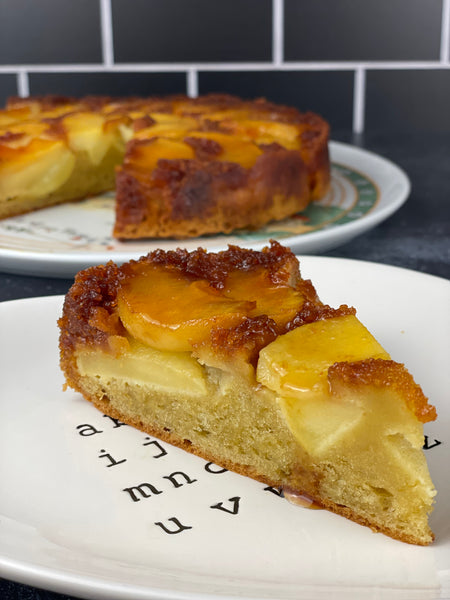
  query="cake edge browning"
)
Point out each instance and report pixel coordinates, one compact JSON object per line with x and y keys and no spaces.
{"x":189,"y":198}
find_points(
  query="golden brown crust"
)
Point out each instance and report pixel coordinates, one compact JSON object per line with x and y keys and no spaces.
{"x":241,"y":343}
{"x":89,"y":314}
{"x":313,"y":310}
{"x":188,"y":198}
{"x":384,"y":373}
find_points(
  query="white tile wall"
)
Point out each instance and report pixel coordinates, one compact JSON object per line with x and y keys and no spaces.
{"x":277,"y":63}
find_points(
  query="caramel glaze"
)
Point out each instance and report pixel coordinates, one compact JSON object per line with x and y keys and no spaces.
{"x":90,"y":315}
{"x":46,"y":102}
{"x":242,"y":343}
{"x":204,"y":148}
{"x":280,"y":263}
{"x":10,"y":136}
{"x":56,"y":127}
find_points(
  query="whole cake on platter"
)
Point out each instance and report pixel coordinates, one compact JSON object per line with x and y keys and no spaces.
{"x":233,"y":357}
{"x":181,"y":167}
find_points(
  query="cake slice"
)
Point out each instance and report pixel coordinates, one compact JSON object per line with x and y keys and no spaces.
{"x":233,"y":357}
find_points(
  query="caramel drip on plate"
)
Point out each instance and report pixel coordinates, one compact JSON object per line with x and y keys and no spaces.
{"x":302,"y":500}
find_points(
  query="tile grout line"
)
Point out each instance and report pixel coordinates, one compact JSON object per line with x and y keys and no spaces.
{"x":445,"y":32}
{"x":359,"y":100}
{"x":23,"y":84}
{"x":238,"y":66}
{"x":352,"y":65}
{"x":277,"y":32}
{"x":106,"y":32}
{"x":192,"y":83}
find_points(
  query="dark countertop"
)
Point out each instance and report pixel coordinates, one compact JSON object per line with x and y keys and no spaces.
{"x":416,"y":237}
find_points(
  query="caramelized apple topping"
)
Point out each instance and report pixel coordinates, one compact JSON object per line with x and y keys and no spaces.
{"x":90,"y":312}
{"x":297,"y":362}
{"x":172,"y":300}
{"x":205,"y":149}
{"x":277,"y":300}
{"x":383,"y":373}
{"x":10,"y":136}
{"x":314,"y":311}
{"x":242,"y":310}
{"x":279,"y":262}
{"x":167,"y":310}
{"x":143,"y":122}
{"x":240,"y":345}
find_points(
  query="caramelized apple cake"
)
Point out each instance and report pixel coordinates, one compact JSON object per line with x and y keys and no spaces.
{"x":233,"y":357}
{"x":181,"y":167}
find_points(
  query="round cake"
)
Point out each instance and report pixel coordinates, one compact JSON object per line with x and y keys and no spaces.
{"x":181,"y":167}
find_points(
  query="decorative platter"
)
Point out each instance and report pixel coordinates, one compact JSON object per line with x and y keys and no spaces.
{"x":95,"y":509}
{"x":59,"y":241}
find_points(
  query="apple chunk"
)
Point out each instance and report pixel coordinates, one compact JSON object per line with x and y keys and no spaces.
{"x":166,"y":310}
{"x":278,"y":301}
{"x":170,"y":310}
{"x":296,"y":367}
{"x":298,"y":361}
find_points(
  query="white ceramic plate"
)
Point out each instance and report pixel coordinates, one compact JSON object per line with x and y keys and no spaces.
{"x":59,"y":241}
{"x":69,"y":522}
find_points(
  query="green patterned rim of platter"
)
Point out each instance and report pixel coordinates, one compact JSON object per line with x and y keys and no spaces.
{"x":352,"y":195}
